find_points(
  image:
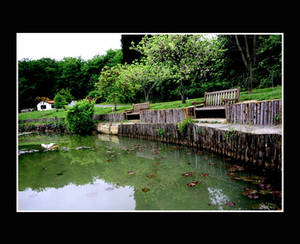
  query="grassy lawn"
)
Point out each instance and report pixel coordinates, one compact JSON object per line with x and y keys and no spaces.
{"x":257,"y":94}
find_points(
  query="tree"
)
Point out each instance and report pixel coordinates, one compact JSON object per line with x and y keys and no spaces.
{"x":146,"y":75}
{"x":186,"y":56}
{"x":130,"y":55}
{"x":248,"y":60}
{"x":113,"y":89}
{"x":36,"y":78}
{"x":72,"y":76}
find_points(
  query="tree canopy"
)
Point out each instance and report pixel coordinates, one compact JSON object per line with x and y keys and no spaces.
{"x":157,"y":68}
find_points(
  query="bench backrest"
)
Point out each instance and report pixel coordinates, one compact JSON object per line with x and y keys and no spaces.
{"x":140,"y":106}
{"x":217,"y":98}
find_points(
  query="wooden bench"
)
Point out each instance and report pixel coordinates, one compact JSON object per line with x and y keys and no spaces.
{"x":136,"y":109}
{"x":218,"y":99}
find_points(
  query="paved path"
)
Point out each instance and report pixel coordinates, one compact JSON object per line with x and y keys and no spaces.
{"x":254,"y":129}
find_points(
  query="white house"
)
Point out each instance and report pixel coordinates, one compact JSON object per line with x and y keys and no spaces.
{"x":49,"y":105}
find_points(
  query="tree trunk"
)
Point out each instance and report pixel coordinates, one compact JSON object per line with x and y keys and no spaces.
{"x":146,"y":95}
{"x":182,"y":92}
{"x":250,"y":78}
{"x":115,"y":106}
{"x":249,"y":66}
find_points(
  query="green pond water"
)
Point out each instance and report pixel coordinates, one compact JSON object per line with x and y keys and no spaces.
{"x":102,"y":172}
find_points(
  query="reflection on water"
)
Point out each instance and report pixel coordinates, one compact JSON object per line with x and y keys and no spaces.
{"x":97,"y":196}
{"x":92,"y":173}
{"x":217,"y":197}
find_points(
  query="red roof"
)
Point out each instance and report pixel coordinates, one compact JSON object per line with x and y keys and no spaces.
{"x":49,"y":101}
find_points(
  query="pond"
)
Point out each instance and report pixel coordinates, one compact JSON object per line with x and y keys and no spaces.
{"x":111,"y":173}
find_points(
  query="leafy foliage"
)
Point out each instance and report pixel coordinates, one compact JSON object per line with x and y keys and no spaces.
{"x":155,"y":68}
{"x":60,"y":101}
{"x":62,"y":98}
{"x":79,"y":118}
{"x":112,"y":88}
{"x":187,"y":56}
{"x":183,"y":125}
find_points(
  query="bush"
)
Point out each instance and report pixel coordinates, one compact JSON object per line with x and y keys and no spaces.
{"x":60,"y":101}
{"x":79,"y":118}
{"x":183,"y":125}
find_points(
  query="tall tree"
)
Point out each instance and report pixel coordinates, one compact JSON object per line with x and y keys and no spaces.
{"x":130,"y":55}
{"x":186,"y":56}
{"x":112,"y":88}
{"x":145,"y":75}
{"x":248,"y":56}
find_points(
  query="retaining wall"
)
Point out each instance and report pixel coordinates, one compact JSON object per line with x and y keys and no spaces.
{"x":263,"y":150}
{"x":255,"y":113}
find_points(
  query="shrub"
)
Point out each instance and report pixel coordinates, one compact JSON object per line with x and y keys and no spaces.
{"x":183,"y":125}
{"x":79,"y":118}
{"x":60,"y":101}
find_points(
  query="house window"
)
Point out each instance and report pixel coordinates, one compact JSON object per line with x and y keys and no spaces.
{"x":52,"y":105}
{"x":43,"y":106}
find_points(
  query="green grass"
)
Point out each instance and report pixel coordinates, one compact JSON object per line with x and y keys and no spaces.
{"x":257,"y":94}
{"x":262,"y":94}
{"x":57,"y":113}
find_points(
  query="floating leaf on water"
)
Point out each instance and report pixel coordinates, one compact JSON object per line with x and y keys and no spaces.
{"x":151,"y":176}
{"x":131,"y":172}
{"x":212,"y":163}
{"x":236,"y":168}
{"x":205,"y":158}
{"x":188,"y":173}
{"x":277,"y":193}
{"x":145,"y":189}
{"x":193,"y":183}
{"x":246,"y":179}
{"x":265,"y":186}
{"x":61,"y":173}
{"x":235,"y":178}
{"x":230,"y":204}
{"x":200,"y":153}
{"x":253,"y":196}
{"x":231,"y":174}
{"x":265,"y":192}
{"x":204,"y":174}
{"x":250,"y":193}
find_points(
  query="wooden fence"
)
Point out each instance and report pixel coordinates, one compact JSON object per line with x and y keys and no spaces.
{"x":117,"y":117}
{"x":165,"y":115}
{"x":255,"y":113}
